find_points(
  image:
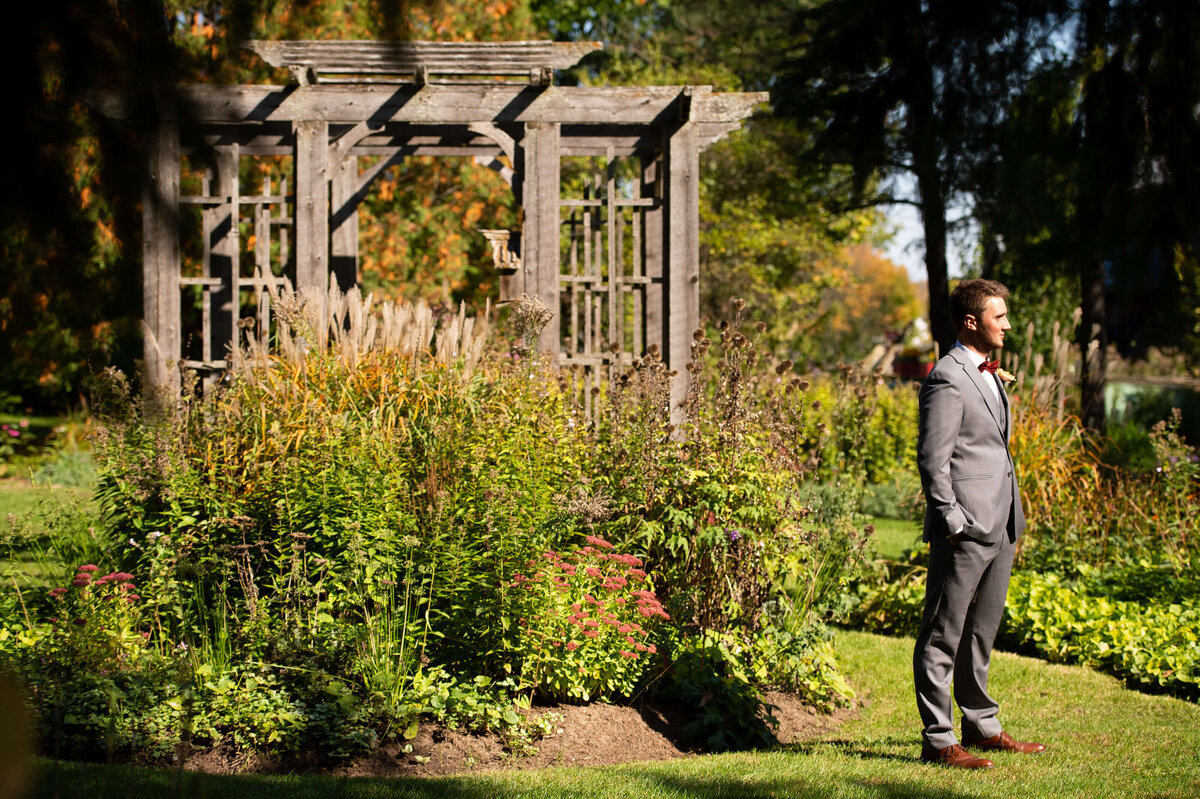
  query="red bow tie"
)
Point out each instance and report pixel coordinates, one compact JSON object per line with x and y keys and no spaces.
{"x":989,"y":366}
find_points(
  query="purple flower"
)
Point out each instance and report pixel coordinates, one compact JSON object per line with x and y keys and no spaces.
{"x":734,"y":534}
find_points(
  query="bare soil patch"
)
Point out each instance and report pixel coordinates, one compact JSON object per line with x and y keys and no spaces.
{"x":590,"y":735}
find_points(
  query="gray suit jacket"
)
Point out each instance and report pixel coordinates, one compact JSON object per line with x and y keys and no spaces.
{"x":962,"y":454}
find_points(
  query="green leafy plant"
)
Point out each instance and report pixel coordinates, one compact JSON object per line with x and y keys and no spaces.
{"x":730,"y":713}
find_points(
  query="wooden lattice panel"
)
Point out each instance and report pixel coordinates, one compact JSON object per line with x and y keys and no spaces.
{"x":245,"y":254}
{"x":603,"y":288}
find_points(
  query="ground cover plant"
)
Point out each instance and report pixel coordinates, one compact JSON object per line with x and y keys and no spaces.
{"x":383,"y":521}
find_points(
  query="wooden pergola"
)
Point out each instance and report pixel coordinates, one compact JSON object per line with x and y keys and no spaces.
{"x":619,"y":263}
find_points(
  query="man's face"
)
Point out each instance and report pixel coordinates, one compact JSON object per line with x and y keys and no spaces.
{"x":992,"y":324}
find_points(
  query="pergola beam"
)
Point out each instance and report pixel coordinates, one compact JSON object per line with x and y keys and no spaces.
{"x":438,"y":104}
{"x":358,"y":57}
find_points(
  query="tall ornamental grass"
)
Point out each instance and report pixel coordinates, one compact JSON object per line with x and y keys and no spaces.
{"x":1083,"y":512}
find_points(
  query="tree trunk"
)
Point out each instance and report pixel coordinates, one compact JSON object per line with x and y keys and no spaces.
{"x":1089,"y":250}
{"x":933,"y":220}
{"x":924,"y":143}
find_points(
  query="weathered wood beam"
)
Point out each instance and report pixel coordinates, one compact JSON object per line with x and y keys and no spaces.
{"x":161,"y":257}
{"x":343,"y":239}
{"x":681,"y":155}
{"x":427,"y":58}
{"x":341,"y":148}
{"x":445,"y":104}
{"x":574,"y":143}
{"x":312,"y":207}
{"x":539,"y":177}
{"x":490,"y":131}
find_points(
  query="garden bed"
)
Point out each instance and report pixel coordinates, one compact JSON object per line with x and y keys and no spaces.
{"x":596,"y":734}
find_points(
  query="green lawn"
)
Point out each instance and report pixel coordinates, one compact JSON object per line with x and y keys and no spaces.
{"x":37,"y":521}
{"x":1104,"y":741}
{"x":893,"y":536}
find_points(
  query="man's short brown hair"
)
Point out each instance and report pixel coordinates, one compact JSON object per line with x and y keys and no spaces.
{"x":970,"y":297}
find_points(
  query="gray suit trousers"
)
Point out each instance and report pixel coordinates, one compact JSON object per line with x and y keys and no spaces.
{"x":966,"y":590}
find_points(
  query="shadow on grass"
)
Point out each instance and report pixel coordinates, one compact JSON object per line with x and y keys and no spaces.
{"x":895,"y":748}
{"x":95,"y":781}
{"x":811,"y":788}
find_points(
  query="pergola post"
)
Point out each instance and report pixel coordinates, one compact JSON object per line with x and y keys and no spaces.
{"x":343,"y":238}
{"x":538,"y":168}
{"x":312,"y":210}
{"x":681,"y":196}
{"x":161,"y":256}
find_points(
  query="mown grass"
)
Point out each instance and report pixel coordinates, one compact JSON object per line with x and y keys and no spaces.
{"x":893,"y":536}
{"x":32,"y":516}
{"x":17,"y":497}
{"x":1104,"y":741}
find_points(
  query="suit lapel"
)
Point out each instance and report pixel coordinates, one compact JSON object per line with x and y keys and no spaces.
{"x":997,"y":408}
{"x":1007,"y":409}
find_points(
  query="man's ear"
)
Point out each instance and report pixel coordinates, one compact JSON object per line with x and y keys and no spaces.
{"x":970,"y":322}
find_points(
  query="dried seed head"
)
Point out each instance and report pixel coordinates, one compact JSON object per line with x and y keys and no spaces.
{"x":697,"y":334}
{"x":614,"y":347}
{"x":529,"y":316}
{"x":761,"y":327}
{"x":738,"y":304}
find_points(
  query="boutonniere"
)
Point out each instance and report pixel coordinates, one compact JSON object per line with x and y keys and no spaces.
{"x":994,"y":367}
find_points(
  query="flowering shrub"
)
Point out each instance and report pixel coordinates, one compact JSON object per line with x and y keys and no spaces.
{"x":98,"y":619}
{"x":13,"y":436}
{"x":590,"y":616}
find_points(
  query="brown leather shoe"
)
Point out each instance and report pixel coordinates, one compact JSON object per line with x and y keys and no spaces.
{"x":1005,"y":743}
{"x":954,"y":756}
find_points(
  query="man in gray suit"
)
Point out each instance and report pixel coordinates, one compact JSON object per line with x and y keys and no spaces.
{"x":972,"y":522}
